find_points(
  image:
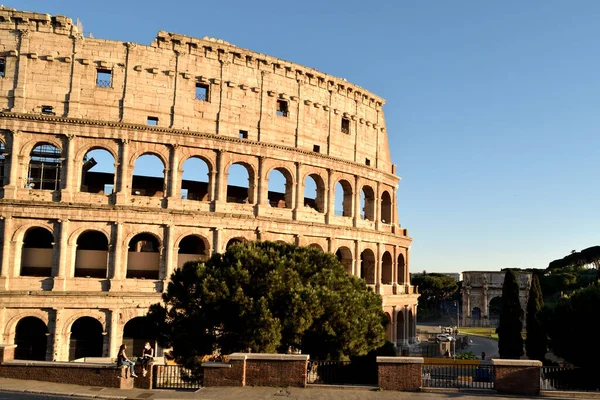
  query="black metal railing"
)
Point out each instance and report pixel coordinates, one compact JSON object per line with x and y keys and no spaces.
{"x":458,"y":376}
{"x":342,"y":373}
{"x":202,"y":96}
{"x":569,"y":379}
{"x":175,"y":377}
{"x":103,"y":83}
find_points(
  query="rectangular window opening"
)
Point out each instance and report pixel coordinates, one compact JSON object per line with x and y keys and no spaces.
{"x":316,"y":148}
{"x":2,"y":67}
{"x":282,"y":108}
{"x":152,"y":121}
{"x":367,"y":161}
{"x":345,"y":125}
{"x":243,"y":134}
{"x":104,"y":78}
{"x":201,"y":92}
{"x":48,"y":110}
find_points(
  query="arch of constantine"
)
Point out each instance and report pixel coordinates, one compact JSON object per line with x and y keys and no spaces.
{"x":481,"y":294}
{"x":89,"y":238}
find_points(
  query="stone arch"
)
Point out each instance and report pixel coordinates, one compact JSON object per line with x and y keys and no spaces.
{"x":86,"y":148}
{"x":388,"y":327}
{"x":136,"y":332}
{"x":37,"y":252}
{"x":494,"y":308}
{"x":11,"y":324}
{"x":95,"y":181}
{"x":91,"y":255}
{"x":386,"y":269}
{"x":238,"y":194}
{"x":476,"y":314}
{"x":95,"y":314}
{"x":236,"y":240}
{"x":28,"y":146}
{"x":343,"y":198}
{"x":86,"y":338}
{"x":316,"y":246}
{"x":367,"y":266}
{"x":150,"y":185}
{"x":367,"y":198}
{"x":400,"y":327}
{"x":143,"y":256}
{"x":386,"y":207}
{"x":196,"y":153}
{"x":44,"y":168}
{"x":318,"y":202}
{"x":401,"y":269}
{"x":279,"y":199}
{"x":72,"y":240}
{"x":162,"y":153}
{"x":196,"y":189}
{"x":31,"y":338}
{"x":344,"y":256}
{"x":192,"y":247}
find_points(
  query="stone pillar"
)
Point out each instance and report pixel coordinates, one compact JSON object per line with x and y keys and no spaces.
{"x":170,"y":253}
{"x":219,"y":246}
{"x":21,"y":59}
{"x":299,"y":202}
{"x":262,"y":188}
{"x":7,"y":267}
{"x":356,"y":196}
{"x":378,"y":269}
{"x":220,"y":181}
{"x":58,"y":346}
{"x":174,"y":176}
{"x":356,"y":262}
{"x":394,"y":208}
{"x":63,"y":257}
{"x":69,"y":173}
{"x":405,"y":327}
{"x":114,"y":336}
{"x":15,"y":167}
{"x":329,"y":199}
{"x":394,"y":336}
{"x":119,"y":257}
{"x":7,"y":352}
{"x":400,"y":373}
{"x":123,"y":189}
{"x":377,"y":207}
{"x":485,"y":318}
{"x":520,"y":377}
{"x":74,"y":96}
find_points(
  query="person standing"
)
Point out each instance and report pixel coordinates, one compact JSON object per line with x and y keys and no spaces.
{"x":123,"y":360}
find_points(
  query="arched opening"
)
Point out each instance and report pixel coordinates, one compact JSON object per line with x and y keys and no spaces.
{"x":143,"y":259}
{"x":367,"y":266}
{"x":386,"y":208}
{"x":98,"y":172}
{"x":494,"y":308}
{"x":237,"y":240}
{"x":400,"y":328}
{"x":195,"y":180}
{"x":315,"y":246}
{"x":3,"y":170}
{"x":314,"y":193}
{"x":91,"y":258}
{"x":36,"y":257}
{"x":344,"y":256}
{"x":412,"y":328}
{"x":401,"y":270}
{"x":343,"y":199}
{"x":148,"y":176}
{"x":280,"y":188}
{"x":31,"y":338}
{"x":240,"y":184}
{"x":386,"y":268}
{"x":136,"y":333}
{"x":475,"y":314}
{"x":387,"y":323}
{"x":367,"y":203}
{"x":86,"y":338}
{"x":44,"y":171}
{"x":191,"y":248}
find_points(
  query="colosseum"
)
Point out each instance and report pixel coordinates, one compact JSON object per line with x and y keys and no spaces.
{"x":90,"y":237}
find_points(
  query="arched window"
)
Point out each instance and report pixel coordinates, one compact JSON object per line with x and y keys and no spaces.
{"x":386,"y":208}
{"x":143,"y":260}
{"x":315,"y":246}
{"x":343,"y":199}
{"x":44,"y":168}
{"x":36,"y":257}
{"x":148,"y":176}
{"x":191,"y":248}
{"x":344,"y":256}
{"x":401,"y":269}
{"x":388,"y":327}
{"x":280,"y":188}
{"x":195,"y":180}
{"x":86,"y":338}
{"x":314,"y":193}
{"x":386,"y":268}
{"x":136,"y":333}
{"x":91,"y":258}
{"x":233,"y":241}
{"x":367,"y":266}
{"x":240,"y":184}
{"x":98,"y":172}
{"x":494,"y":308}
{"x":367,"y":203}
{"x":31,"y":339}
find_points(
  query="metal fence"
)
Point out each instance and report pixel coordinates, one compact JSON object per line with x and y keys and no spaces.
{"x":569,"y":379}
{"x":175,"y":377}
{"x":342,"y":373}
{"x":458,"y":376}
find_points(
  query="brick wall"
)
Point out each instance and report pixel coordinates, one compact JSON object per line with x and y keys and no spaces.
{"x":517,"y":376}
{"x":224,"y":374}
{"x":399,"y":373}
{"x":276,"y":370}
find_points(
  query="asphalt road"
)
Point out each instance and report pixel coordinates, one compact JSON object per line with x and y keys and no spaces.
{"x":479,"y":344}
{"x":25,"y":396}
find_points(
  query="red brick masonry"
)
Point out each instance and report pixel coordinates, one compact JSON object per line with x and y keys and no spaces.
{"x":517,"y":376}
{"x":399,"y":373}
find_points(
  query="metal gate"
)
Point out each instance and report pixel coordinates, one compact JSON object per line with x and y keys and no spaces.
{"x":174,"y":377}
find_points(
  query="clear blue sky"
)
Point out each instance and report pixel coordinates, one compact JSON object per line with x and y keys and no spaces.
{"x":492,"y":107}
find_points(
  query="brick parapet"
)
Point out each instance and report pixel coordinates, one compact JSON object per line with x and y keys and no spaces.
{"x":400,"y":373}
{"x":520,"y":377}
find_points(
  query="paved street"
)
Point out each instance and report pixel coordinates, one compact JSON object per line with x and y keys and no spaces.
{"x":25,"y":396}
{"x":479,"y":344}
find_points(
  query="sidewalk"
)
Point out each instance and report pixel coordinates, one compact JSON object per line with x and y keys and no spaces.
{"x":235,"y":393}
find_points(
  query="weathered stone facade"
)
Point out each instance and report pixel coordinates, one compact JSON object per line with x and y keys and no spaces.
{"x":481,"y":293}
{"x":73,"y":250}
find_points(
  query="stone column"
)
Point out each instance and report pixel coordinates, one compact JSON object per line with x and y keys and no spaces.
{"x":378,"y":269}
{"x":7,"y":267}
{"x":15,"y":167}
{"x":58,"y":339}
{"x":356,"y":262}
{"x":21,"y":61}
{"x":356,"y":197}
{"x":218,"y":240}
{"x":170,"y":252}
{"x":299,"y":202}
{"x":174,"y":178}
{"x":69,"y":173}
{"x":329,"y":199}
{"x":220,"y":182}
{"x":119,"y":257}
{"x":394,"y":209}
{"x":113,"y":333}
{"x":63,"y":251}
{"x":123,"y":190}
{"x":394,"y":336}
{"x":262,"y":188}
{"x":485,"y":318}
{"x":377,"y":207}
{"x":405,"y":327}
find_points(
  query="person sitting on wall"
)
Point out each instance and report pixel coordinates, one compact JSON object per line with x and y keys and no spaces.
{"x":146,"y":358}
{"x":123,"y":360}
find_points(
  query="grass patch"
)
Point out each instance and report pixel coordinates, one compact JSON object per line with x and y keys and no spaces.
{"x":484,"y":332}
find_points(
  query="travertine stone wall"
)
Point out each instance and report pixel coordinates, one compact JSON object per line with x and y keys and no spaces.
{"x":50,"y":94}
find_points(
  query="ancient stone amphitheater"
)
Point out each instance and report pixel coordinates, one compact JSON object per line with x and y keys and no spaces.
{"x":86,"y":251}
